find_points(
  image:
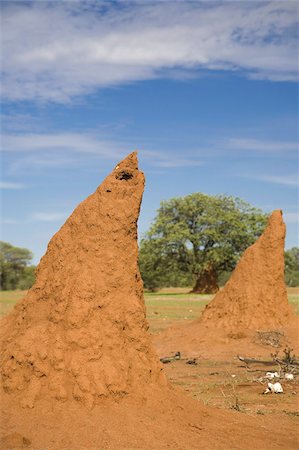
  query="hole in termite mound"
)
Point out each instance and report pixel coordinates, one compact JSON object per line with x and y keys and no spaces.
{"x":124,"y":175}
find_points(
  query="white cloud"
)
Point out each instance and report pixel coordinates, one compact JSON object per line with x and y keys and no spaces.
{"x":173,"y":162}
{"x":10,"y":185}
{"x":287,"y":180}
{"x":48,"y":216}
{"x":93,"y":143}
{"x":38,"y":150}
{"x":8,"y":221}
{"x":261,"y":146}
{"x":19,"y":122}
{"x":71,"y":142}
{"x":97,"y":44}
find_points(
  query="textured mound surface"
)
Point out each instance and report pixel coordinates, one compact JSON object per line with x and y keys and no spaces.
{"x":255,"y":296}
{"x":81,"y":331}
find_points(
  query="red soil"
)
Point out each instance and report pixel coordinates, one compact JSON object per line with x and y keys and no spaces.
{"x":77,"y":367}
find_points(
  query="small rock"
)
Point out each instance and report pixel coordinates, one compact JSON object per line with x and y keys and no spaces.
{"x":289,"y":376}
{"x":192,"y":362}
{"x":271,"y":375}
{"x":275,"y":388}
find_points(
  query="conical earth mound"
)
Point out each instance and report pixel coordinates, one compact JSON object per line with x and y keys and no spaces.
{"x":81,"y":331}
{"x":78,"y":370}
{"x":255,"y":297}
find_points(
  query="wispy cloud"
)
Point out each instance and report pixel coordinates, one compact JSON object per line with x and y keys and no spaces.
{"x":8,"y":221}
{"x":287,"y":180}
{"x":37,"y":150}
{"x":261,"y":146}
{"x":19,"y":122}
{"x":171,"y":160}
{"x":38,"y":217}
{"x":95,"y":45}
{"x":74,"y":142}
{"x":48,"y":216}
{"x":175,"y":161}
{"x":11,"y":185}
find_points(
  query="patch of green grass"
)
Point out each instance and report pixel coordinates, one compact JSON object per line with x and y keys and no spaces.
{"x":185,"y":307}
{"x":177,"y":295}
{"x":169,"y":306}
{"x":294,"y":301}
{"x":12,"y":296}
{"x":8,"y":299}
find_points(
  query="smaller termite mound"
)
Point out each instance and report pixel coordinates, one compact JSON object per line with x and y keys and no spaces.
{"x":255,"y":297}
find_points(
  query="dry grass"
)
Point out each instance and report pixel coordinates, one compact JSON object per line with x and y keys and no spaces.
{"x":8,"y":299}
{"x":169,"y":304}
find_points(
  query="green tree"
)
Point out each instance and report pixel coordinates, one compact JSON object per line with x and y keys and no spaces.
{"x":292,"y":267}
{"x":27,"y":278}
{"x":201,"y":235}
{"x":158,"y":269}
{"x":13,"y":266}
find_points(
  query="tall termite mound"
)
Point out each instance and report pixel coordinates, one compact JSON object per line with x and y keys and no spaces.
{"x":255,"y":296}
{"x":80,"y":334}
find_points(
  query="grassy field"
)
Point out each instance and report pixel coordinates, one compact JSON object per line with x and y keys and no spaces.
{"x":161,"y":306}
{"x":167,"y":305}
{"x":8,"y":299}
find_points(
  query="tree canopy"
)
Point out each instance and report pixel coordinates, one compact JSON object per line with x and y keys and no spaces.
{"x":199,"y":235}
{"x":292,"y":267}
{"x":16,"y":273}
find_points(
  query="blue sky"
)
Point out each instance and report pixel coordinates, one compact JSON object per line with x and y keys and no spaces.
{"x":207,"y":92}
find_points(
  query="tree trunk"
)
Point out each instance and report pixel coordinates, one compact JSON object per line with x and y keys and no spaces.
{"x":206,"y":282}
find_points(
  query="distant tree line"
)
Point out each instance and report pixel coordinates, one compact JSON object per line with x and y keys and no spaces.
{"x":15,"y":269}
{"x":292,"y":267}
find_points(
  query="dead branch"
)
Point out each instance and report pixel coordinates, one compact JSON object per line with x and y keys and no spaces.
{"x":256,"y":361}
